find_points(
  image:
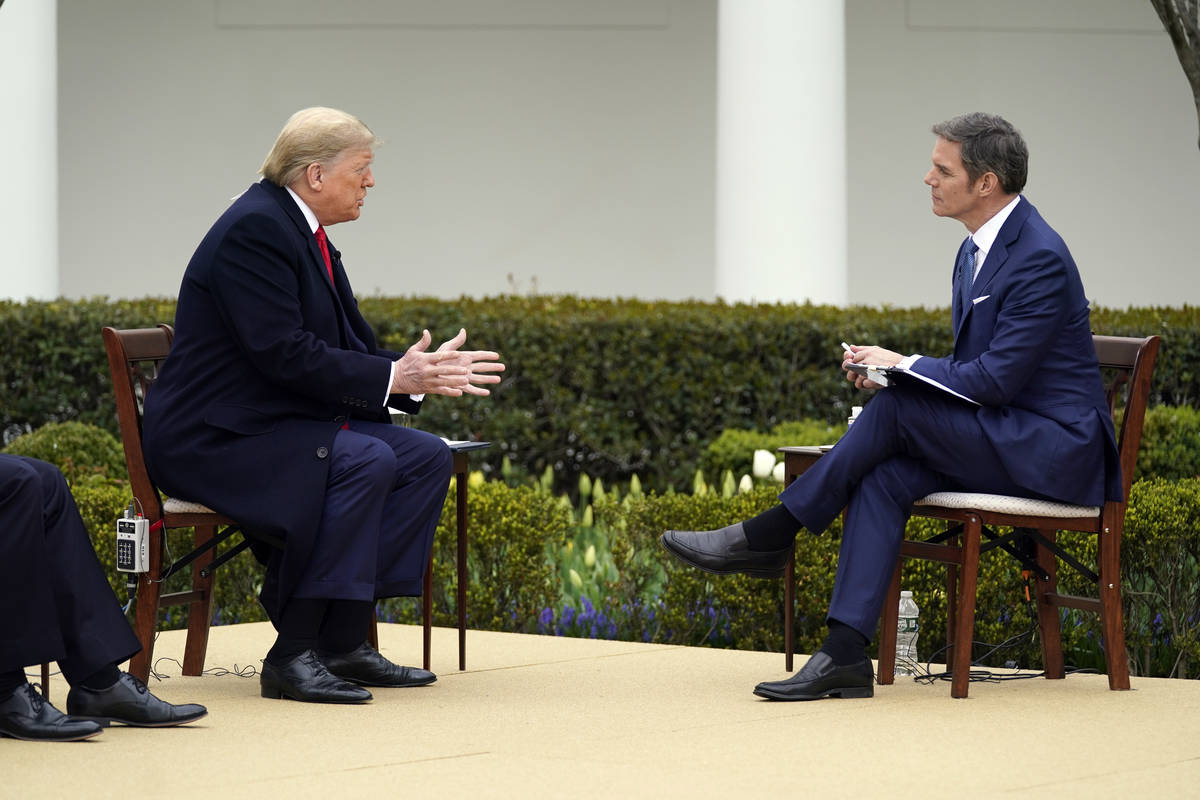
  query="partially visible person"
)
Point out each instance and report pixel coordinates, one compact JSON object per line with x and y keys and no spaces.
{"x":272,"y":408}
{"x":1022,"y":350}
{"x":56,"y":605}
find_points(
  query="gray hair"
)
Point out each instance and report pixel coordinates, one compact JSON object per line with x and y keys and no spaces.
{"x":989,"y":144}
{"x":314,"y":136}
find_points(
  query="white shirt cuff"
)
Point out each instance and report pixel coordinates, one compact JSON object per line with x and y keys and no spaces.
{"x":908,"y":361}
{"x":391,"y":377}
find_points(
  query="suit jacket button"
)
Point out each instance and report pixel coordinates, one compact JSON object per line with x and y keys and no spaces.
{"x":322,"y":452}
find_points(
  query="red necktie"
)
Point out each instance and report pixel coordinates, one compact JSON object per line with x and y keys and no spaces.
{"x":323,"y":243}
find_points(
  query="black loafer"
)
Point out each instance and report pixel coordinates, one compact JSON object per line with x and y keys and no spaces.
{"x":820,"y":677}
{"x":306,"y":679}
{"x":129,"y":702}
{"x":725,"y":552}
{"x":25,"y":714}
{"x":367,"y":667}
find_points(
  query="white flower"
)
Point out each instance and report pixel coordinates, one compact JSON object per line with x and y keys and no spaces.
{"x":764,"y":460}
{"x":777,"y":473}
{"x":745,"y":484}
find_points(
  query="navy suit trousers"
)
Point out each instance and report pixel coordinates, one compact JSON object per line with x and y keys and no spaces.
{"x":55,"y":603}
{"x":907,"y":442}
{"x":385,"y":492}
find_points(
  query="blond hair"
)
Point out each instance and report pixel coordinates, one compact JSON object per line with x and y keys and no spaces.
{"x":315,"y":135}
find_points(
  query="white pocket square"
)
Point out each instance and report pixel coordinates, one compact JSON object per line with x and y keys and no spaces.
{"x":980,"y":299}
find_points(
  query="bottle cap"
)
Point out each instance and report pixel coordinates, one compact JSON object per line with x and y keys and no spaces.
{"x":906,"y":594}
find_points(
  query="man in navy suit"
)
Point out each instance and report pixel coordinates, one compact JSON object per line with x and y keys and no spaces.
{"x":1022,"y":350}
{"x":272,"y":408}
{"x":55,"y":605}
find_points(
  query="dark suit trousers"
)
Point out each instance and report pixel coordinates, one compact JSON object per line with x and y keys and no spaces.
{"x":383,"y":499}
{"x":55,"y":603}
{"x":907,"y":442}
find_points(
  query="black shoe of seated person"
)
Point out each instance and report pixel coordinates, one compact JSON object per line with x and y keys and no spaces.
{"x":819,"y":678}
{"x":25,"y":714}
{"x":306,"y":679}
{"x":129,"y":702}
{"x":366,"y":666}
{"x":725,"y":552}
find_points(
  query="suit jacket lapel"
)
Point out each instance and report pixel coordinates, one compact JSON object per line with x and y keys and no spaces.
{"x":995,"y":258}
{"x":317,"y":261}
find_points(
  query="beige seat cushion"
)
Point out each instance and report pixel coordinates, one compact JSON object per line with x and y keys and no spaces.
{"x":1003,"y":504}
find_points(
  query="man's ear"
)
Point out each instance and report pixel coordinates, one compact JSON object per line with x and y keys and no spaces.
{"x":314,"y":176}
{"x":988,"y":183}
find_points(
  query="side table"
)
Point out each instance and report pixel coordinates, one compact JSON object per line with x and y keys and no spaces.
{"x":462,"y":470}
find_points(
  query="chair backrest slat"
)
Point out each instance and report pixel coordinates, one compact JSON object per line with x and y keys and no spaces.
{"x":1131,"y":362}
{"x":134,"y":357}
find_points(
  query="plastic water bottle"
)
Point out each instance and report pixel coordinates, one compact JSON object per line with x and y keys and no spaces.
{"x":854,"y":412}
{"x":907,"y":628}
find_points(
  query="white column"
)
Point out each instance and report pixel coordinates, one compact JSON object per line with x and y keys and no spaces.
{"x":781,"y":151}
{"x":29,"y":142}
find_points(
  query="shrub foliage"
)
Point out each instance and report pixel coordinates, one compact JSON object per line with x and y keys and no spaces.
{"x":604,"y":387}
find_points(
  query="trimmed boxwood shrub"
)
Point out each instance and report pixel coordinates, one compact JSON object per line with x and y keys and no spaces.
{"x":606,"y":387}
{"x":83,"y":453}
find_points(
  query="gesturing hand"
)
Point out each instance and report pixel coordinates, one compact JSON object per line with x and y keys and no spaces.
{"x":447,"y":370}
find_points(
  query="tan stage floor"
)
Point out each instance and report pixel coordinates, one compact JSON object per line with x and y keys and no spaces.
{"x":547,"y":717}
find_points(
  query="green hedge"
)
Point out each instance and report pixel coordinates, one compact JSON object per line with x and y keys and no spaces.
{"x":610,"y":388}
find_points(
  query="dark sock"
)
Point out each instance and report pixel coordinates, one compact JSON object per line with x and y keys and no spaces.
{"x":346,"y":625}
{"x":844,"y":644}
{"x":773,"y":529}
{"x":11,"y":681}
{"x":102,"y":678}
{"x":298,"y":627}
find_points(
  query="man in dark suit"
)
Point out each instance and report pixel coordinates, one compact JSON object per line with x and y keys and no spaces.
{"x":1022,"y":350}
{"x":55,"y":605}
{"x":272,"y":408}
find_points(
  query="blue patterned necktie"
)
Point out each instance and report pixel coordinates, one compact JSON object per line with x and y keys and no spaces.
{"x":966,"y":274}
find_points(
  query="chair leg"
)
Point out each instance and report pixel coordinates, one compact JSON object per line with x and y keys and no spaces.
{"x":427,"y":612}
{"x":46,"y":680}
{"x":1112,"y":616}
{"x":200,"y":609}
{"x":964,"y":628}
{"x":789,"y":611}
{"x":373,"y":631}
{"x":1048,"y":616}
{"x":951,"y":607}
{"x":149,"y":590}
{"x":148,"y":593}
{"x":887,"y":630}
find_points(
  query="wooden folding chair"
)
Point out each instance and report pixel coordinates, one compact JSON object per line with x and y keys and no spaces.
{"x":134,"y":359}
{"x":1130,"y":363}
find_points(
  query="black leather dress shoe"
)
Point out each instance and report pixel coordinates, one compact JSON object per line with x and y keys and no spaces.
{"x":820,"y":677}
{"x":129,"y":702}
{"x":25,"y":714}
{"x":367,"y":667}
{"x":725,"y":552}
{"x":306,"y":679}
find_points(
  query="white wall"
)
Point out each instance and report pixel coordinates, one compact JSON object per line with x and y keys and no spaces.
{"x":570,"y":142}
{"x":575,"y":143}
{"x":1093,"y":85}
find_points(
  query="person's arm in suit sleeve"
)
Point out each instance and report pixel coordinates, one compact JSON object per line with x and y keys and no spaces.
{"x":256,"y":288}
{"x":1031,"y":314}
